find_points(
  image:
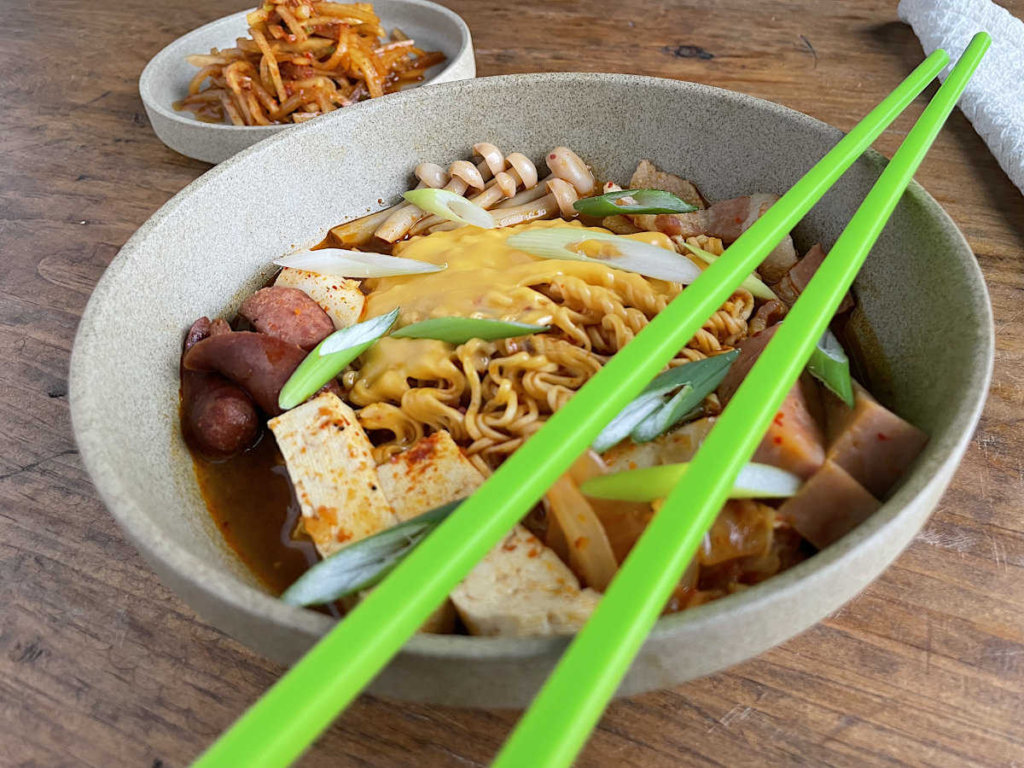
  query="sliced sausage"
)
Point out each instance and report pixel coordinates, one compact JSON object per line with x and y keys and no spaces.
{"x":258,"y":363}
{"x":828,"y":506}
{"x":871,"y":442}
{"x":287,"y":314}
{"x":219,"y":419}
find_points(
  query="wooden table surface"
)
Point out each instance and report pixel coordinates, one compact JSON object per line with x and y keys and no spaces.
{"x":100,"y":665}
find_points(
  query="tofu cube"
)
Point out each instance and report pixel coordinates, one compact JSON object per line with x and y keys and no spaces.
{"x":339,"y":297}
{"x":331,"y":466}
{"x":523,"y":589}
{"x":430,"y":473}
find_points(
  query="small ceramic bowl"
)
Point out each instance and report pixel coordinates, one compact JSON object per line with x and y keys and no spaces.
{"x":166,"y":77}
{"x":923,"y":320}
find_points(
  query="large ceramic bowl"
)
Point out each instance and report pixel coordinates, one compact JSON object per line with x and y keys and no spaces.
{"x":923,"y":316}
{"x":166,"y":77}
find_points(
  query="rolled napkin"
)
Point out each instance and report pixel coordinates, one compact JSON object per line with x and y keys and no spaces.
{"x":994,"y":99}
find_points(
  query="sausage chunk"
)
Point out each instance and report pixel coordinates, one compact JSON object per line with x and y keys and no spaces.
{"x":287,"y":314}
{"x":219,"y":418}
{"x":258,"y":363}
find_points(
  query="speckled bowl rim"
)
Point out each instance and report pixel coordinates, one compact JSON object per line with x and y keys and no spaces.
{"x":942,"y":458}
{"x":154,"y":67}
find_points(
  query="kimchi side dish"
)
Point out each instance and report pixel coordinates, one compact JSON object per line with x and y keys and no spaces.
{"x":302,"y":59}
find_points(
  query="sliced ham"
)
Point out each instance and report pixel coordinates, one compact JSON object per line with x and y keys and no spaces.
{"x":799,"y":275}
{"x":828,"y":506}
{"x":873,"y":444}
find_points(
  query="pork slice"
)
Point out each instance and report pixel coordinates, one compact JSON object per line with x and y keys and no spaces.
{"x":648,"y":176}
{"x":727,"y":220}
{"x":871,"y":442}
{"x":794,"y":440}
{"x":828,"y":506}
{"x":779,"y":261}
{"x":793,"y":283}
{"x":768,"y":314}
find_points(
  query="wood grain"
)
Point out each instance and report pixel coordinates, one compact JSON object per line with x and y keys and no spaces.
{"x":101,"y":666}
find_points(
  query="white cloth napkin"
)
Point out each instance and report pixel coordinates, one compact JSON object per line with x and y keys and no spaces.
{"x":994,"y":99}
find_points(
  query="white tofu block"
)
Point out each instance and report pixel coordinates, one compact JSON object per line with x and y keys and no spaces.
{"x":523,"y":589}
{"x":430,"y":473}
{"x":332,"y":469}
{"x":339,"y":297}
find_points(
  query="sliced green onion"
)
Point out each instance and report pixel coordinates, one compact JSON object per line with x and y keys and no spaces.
{"x":356,"y":335}
{"x":701,"y":376}
{"x":338,"y":262}
{"x":450,"y":206}
{"x":621,"y":426}
{"x":330,"y":357}
{"x":363,"y":563}
{"x":830,"y":365}
{"x":682,"y":405}
{"x":459,"y":330}
{"x":647,"y":201}
{"x":631,"y":256}
{"x":752,"y":283}
{"x":755,"y":481}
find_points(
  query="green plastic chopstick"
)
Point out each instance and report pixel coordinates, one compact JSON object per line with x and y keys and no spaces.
{"x":279,"y":727}
{"x":570,"y":703}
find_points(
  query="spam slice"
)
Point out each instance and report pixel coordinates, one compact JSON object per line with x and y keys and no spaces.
{"x":828,"y":506}
{"x":794,"y":441}
{"x":430,"y":473}
{"x":332,"y":469}
{"x":873,"y":444}
{"x":339,"y":297}
{"x":522,"y":589}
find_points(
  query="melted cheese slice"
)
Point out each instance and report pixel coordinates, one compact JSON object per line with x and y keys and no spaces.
{"x":484,"y":278}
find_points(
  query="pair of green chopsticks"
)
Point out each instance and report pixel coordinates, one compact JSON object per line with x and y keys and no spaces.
{"x":278,"y":728}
